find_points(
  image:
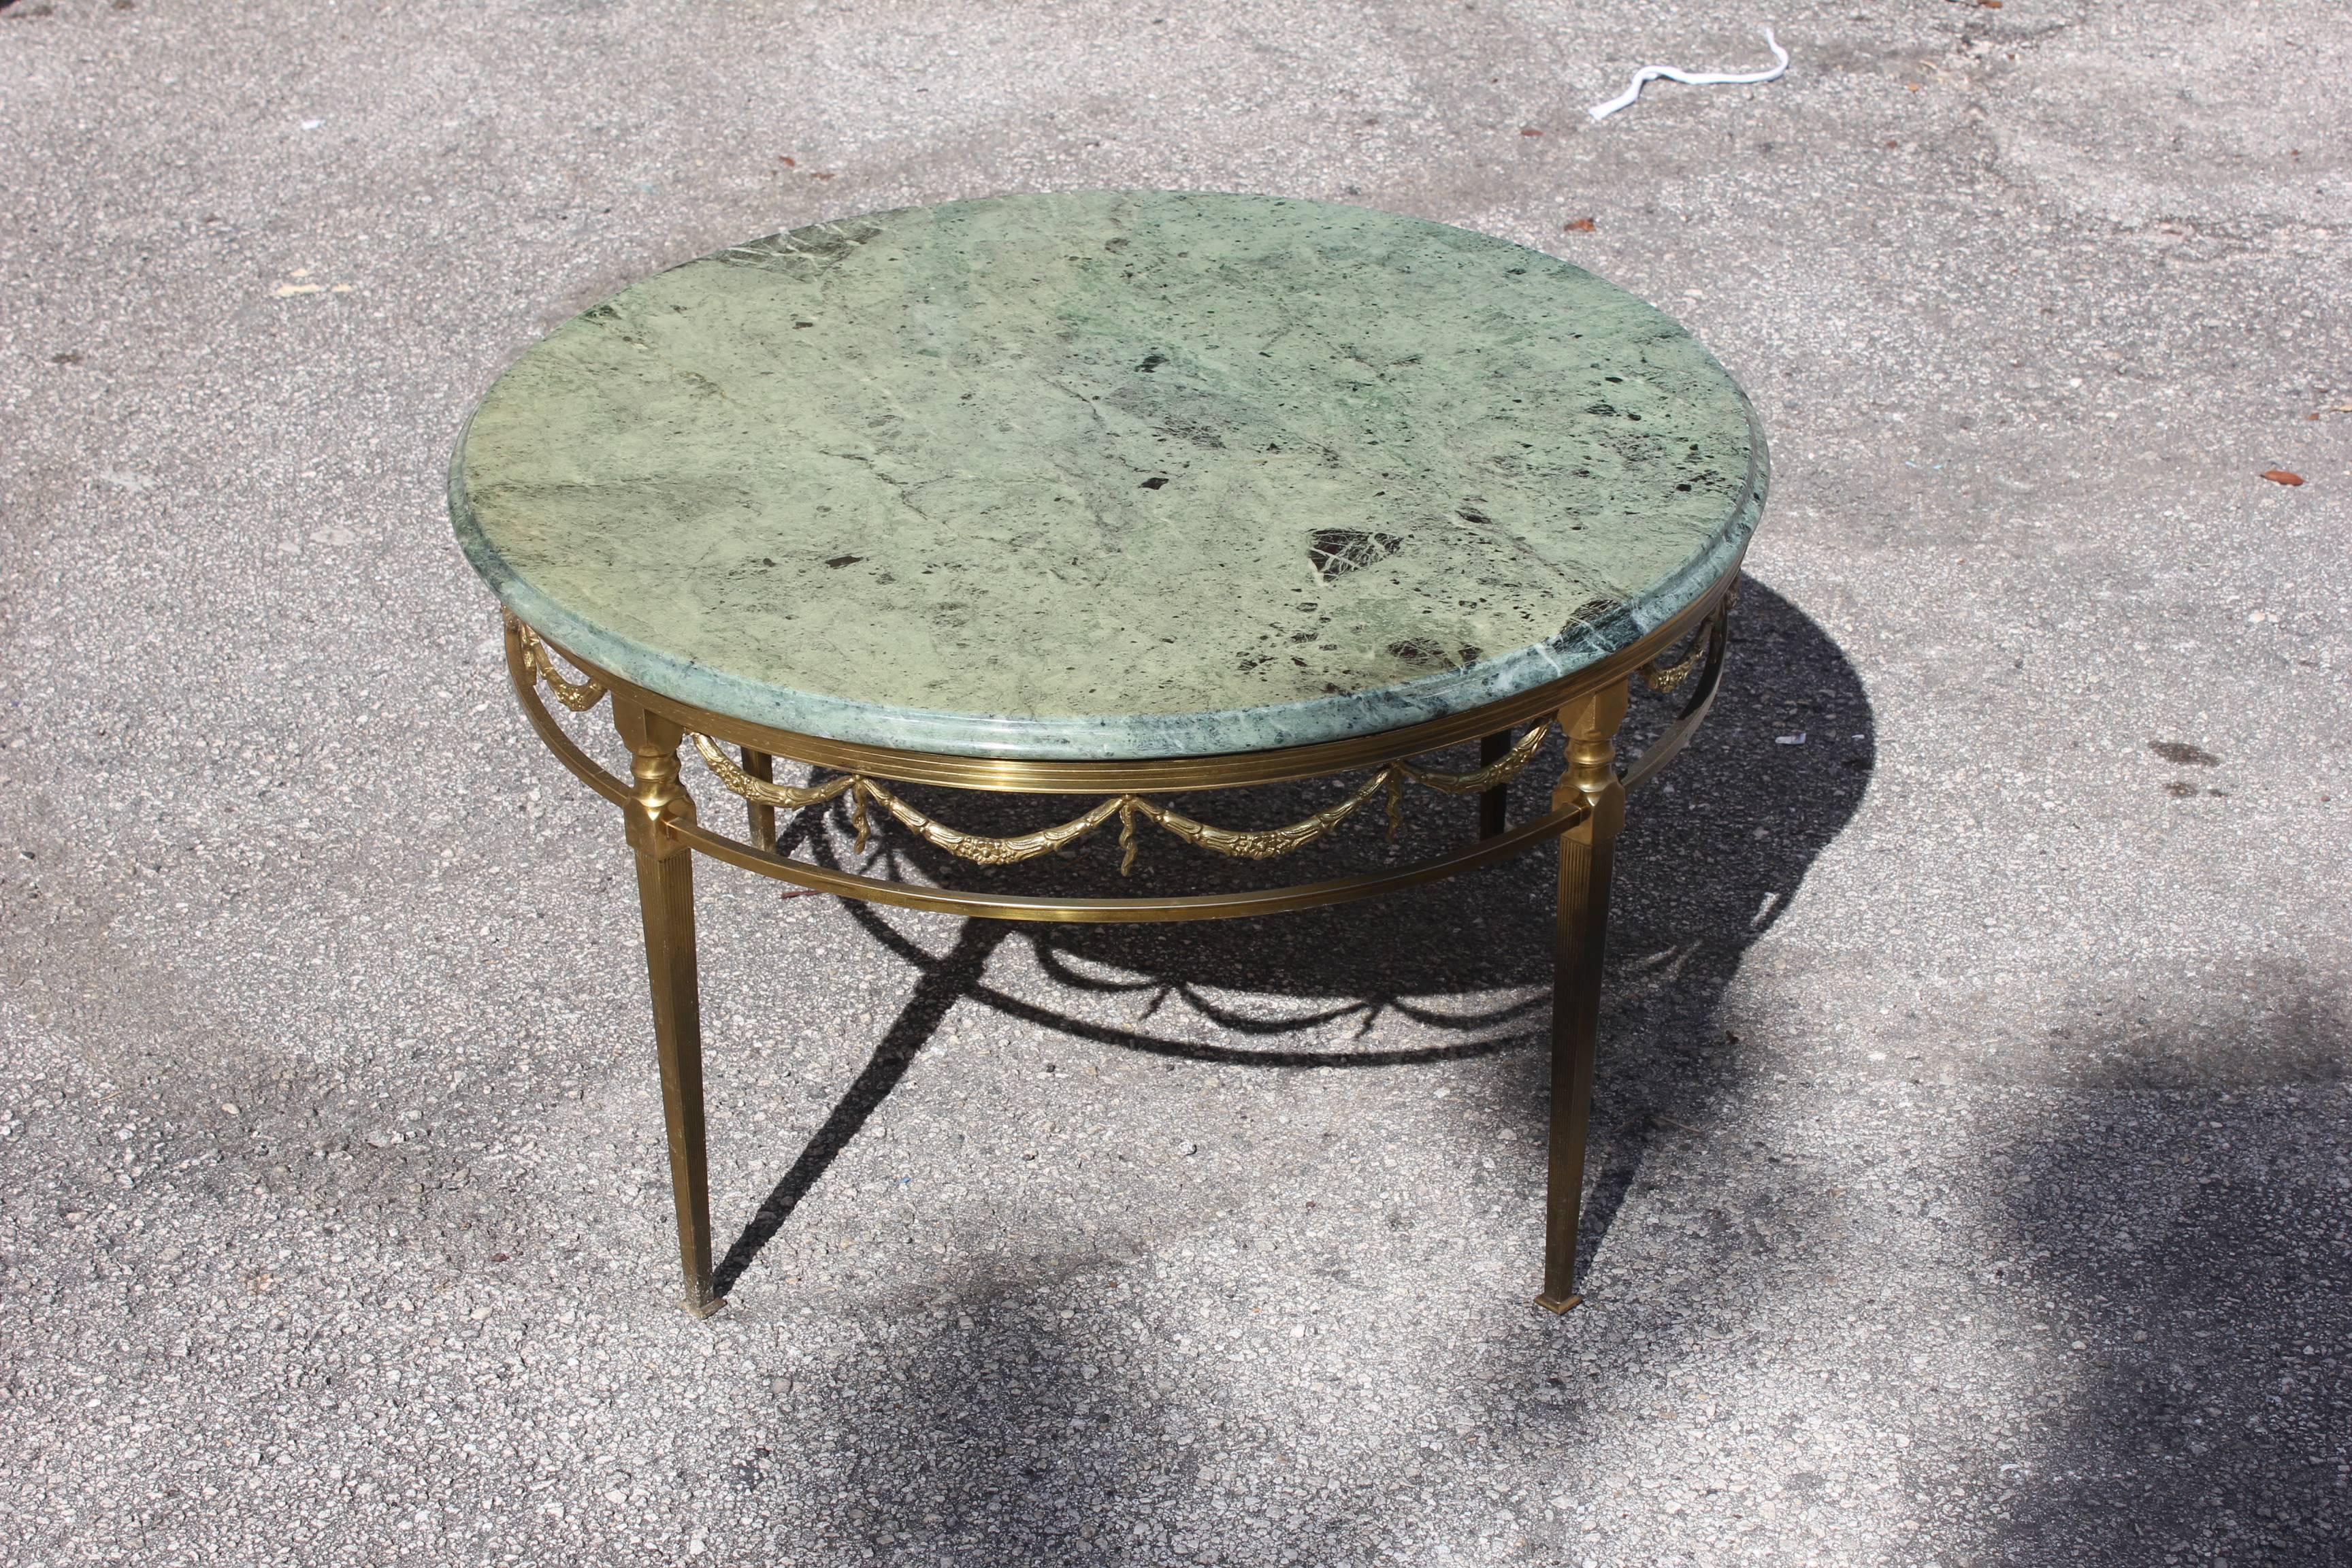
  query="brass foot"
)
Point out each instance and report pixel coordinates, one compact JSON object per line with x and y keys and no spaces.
{"x":1559,"y":1305}
{"x":703,"y":1308}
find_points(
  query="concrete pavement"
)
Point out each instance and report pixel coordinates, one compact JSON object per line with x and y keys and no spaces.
{"x":1974,"y":1179}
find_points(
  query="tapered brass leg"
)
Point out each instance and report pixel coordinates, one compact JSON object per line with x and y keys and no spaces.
{"x":665,"y":898}
{"x":1494,"y":804}
{"x":1586,"y":856}
{"x":761,"y":766}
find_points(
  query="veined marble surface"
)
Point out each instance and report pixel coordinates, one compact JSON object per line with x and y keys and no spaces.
{"x":1108,"y":474}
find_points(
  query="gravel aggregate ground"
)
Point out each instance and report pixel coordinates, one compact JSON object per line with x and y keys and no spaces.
{"x":1972,"y":1174}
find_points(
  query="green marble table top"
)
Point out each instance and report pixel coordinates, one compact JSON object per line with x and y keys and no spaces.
{"x":1109,"y":473}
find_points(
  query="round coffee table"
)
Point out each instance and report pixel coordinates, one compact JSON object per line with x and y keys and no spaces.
{"x":1123,"y":496}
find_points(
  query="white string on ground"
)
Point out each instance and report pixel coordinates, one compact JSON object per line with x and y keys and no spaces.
{"x":1695,"y":79}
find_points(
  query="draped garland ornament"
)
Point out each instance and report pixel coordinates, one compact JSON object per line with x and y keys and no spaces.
{"x":1263,"y":844}
{"x":865,"y":792}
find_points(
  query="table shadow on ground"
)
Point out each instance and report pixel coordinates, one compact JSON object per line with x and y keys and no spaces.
{"x":1032,"y":1450}
{"x":1710,"y":856}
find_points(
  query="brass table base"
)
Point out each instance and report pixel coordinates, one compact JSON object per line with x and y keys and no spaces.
{"x":1587,"y":808}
